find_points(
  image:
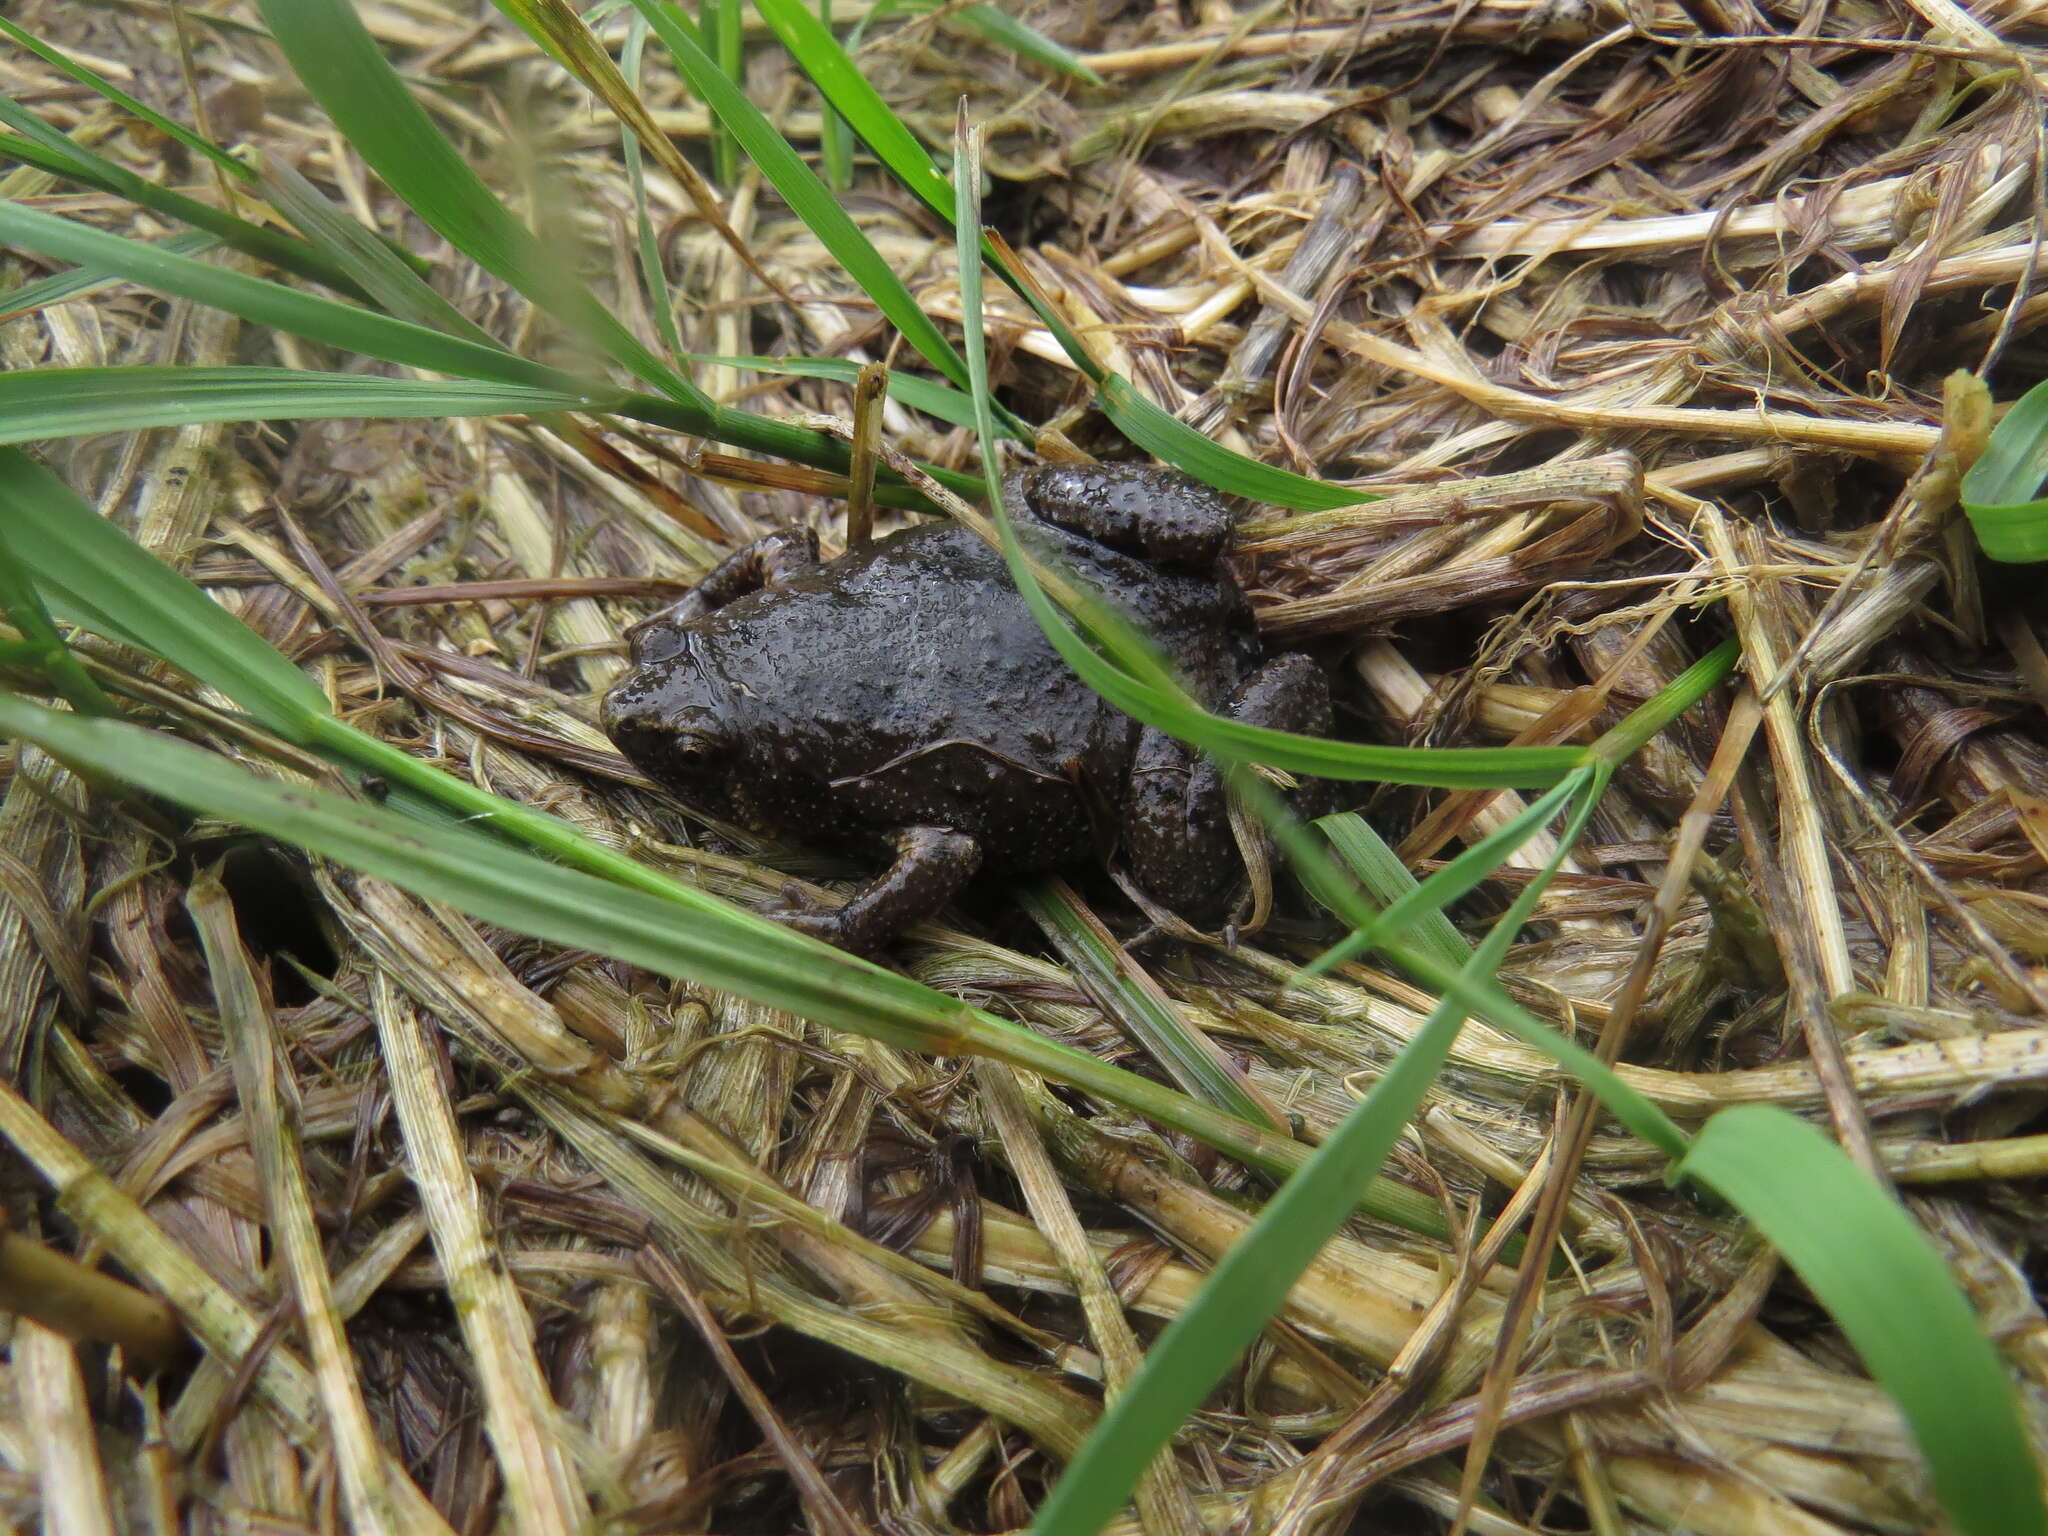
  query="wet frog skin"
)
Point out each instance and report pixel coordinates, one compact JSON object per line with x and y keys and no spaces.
{"x":900,"y":702}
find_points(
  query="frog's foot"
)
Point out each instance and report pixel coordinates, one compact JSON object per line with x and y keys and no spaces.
{"x":770,"y":559}
{"x":931,"y":865}
{"x":1176,"y":822}
{"x":1142,"y":509}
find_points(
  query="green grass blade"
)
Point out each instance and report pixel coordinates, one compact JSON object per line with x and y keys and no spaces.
{"x":2000,"y":494}
{"x":727,"y":43}
{"x":1172,"y":441}
{"x":1134,"y":1003}
{"x":49,"y":150}
{"x":1461,"y":875}
{"x":1249,"y":1285}
{"x":339,"y":63}
{"x":1861,"y":1254}
{"x":808,"y":197}
{"x":67,"y":402}
{"x":1027,"y":42}
{"x":97,"y":83}
{"x":1386,"y":878}
{"x":1168,"y":439}
{"x":835,"y":139}
{"x":647,"y":245}
{"x":378,"y":270}
{"x":83,"y":282}
{"x":839,"y":80}
{"x":93,"y":575}
{"x":271,"y":304}
{"x":926,"y":395}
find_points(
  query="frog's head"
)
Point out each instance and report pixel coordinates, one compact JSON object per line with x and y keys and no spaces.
{"x":672,"y":719}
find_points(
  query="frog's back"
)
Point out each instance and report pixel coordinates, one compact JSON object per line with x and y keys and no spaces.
{"x":908,"y":684}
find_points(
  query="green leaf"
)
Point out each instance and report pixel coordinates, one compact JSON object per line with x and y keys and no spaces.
{"x":808,"y":197}
{"x":1172,"y":441}
{"x":377,"y":269}
{"x":1028,"y":42}
{"x":1874,"y":1270}
{"x":1144,"y":423}
{"x":92,"y":574}
{"x":66,"y":402}
{"x":1249,"y":1285}
{"x":2000,"y":493}
{"x":1387,"y":879}
{"x":927,"y":395}
{"x":336,"y":60}
{"x":271,"y":304}
{"x":83,"y":282}
{"x":93,"y":81}
{"x":49,"y":150}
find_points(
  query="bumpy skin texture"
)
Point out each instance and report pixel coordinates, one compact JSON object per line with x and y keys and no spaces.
{"x":901,"y":701}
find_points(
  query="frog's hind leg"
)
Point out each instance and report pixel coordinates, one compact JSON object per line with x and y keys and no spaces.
{"x":931,"y":865}
{"x":765,"y":561}
{"x":1176,"y":823}
{"x":1157,"y":514}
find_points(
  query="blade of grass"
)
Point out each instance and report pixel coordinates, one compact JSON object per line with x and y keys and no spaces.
{"x":926,"y":395}
{"x":660,"y":301}
{"x":374,"y":335}
{"x":1383,"y":875}
{"x":392,"y":283}
{"x":67,"y":402}
{"x":49,"y":150}
{"x":337,"y":61}
{"x":1873,"y":1269}
{"x":808,"y":197}
{"x":2000,"y":494}
{"x":1027,"y":42}
{"x":568,"y":40}
{"x":97,"y":83}
{"x":836,"y":76}
{"x":1454,"y":880}
{"x":84,"y":282}
{"x":835,"y":139}
{"x":1133,"y":1001}
{"x":1250,"y":1283}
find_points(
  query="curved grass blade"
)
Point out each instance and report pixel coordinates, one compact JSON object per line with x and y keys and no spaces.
{"x":336,"y":59}
{"x":378,"y":270}
{"x":1387,"y":880}
{"x":1875,"y":1272}
{"x":75,"y":163}
{"x":67,"y":402}
{"x":1461,"y":875}
{"x":271,"y":304}
{"x":2001,"y":493}
{"x":808,"y":197}
{"x":1151,"y":428}
{"x":1249,"y":1285}
{"x":97,"y":83}
{"x":660,"y":301}
{"x":567,"y":39}
{"x":92,"y":574}
{"x":1007,"y":31}
{"x":1133,"y":1001}
{"x":926,"y":395}
{"x":83,"y":282}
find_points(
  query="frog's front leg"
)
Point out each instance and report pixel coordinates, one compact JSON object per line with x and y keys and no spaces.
{"x":762,"y":563}
{"x":930,"y":866}
{"x":1176,"y":817}
{"x":1145,"y":510}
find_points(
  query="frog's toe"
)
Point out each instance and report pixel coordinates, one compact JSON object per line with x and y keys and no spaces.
{"x":931,"y":864}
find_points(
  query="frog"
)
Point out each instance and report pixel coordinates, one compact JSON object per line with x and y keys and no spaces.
{"x":900,"y":703}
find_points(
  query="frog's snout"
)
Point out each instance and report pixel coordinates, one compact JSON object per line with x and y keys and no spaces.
{"x":647,"y":725}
